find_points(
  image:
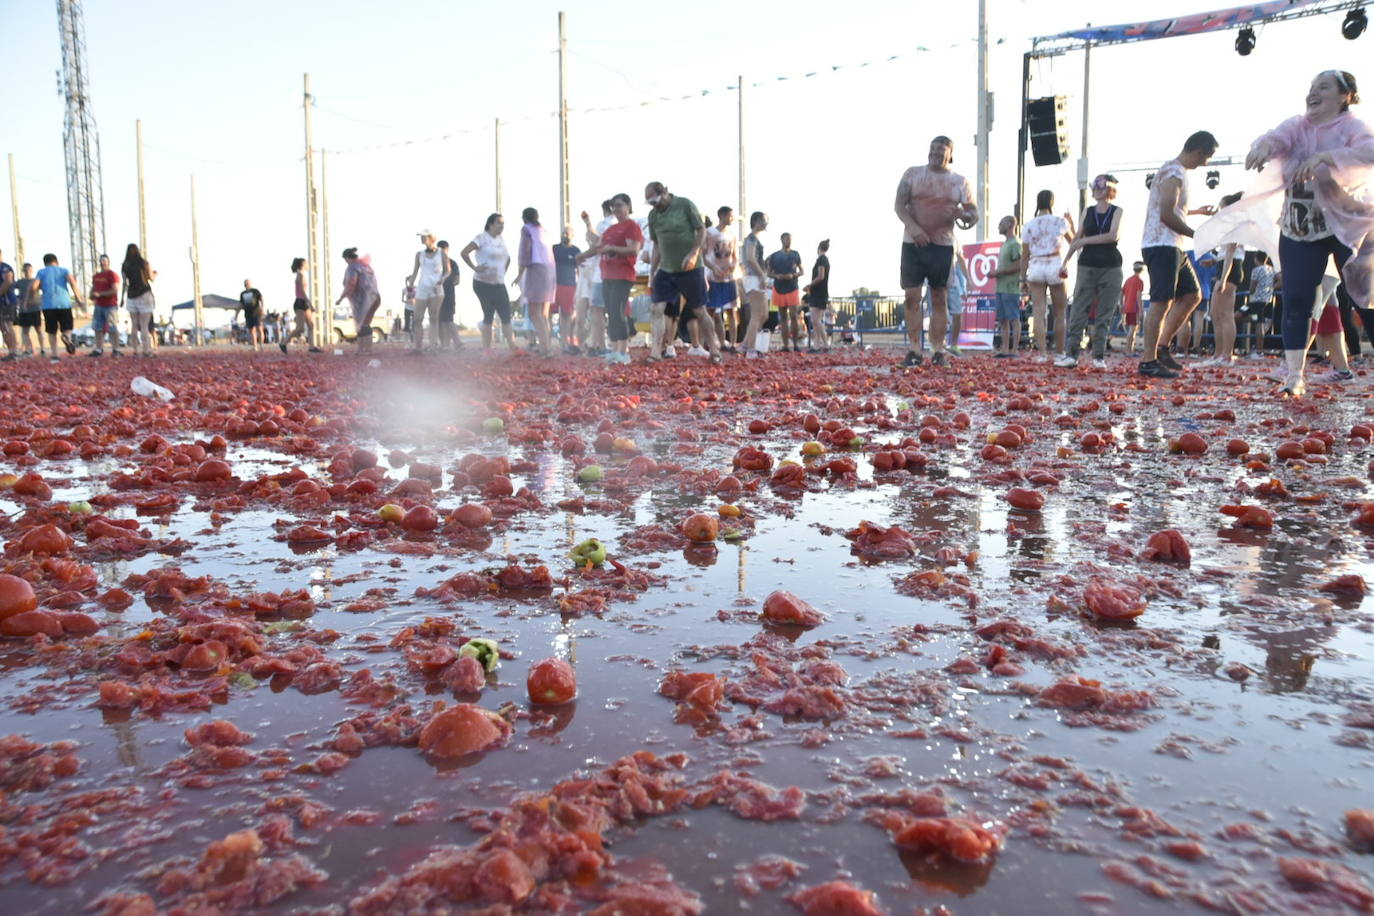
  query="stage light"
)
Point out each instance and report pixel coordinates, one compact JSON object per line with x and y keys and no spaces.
{"x":1245,"y":42}
{"x":1213,"y":179}
{"x":1149,"y":180}
{"x":1355,"y":23}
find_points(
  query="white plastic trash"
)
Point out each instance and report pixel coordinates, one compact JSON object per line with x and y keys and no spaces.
{"x":148,"y":389}
{"x":338,"y":353}
{"x":374,"y":364}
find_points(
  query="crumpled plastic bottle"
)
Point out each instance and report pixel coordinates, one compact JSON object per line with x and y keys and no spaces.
{"x":148,"y":389}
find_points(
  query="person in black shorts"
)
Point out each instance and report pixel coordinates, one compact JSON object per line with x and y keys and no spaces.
{"x":931,"y":200}
{"x":448,"y":309}
{"x":818,"y":298}
{"x":250,"y":300}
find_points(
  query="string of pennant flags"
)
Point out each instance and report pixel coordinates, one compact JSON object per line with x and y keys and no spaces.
{"x":643,"y":103}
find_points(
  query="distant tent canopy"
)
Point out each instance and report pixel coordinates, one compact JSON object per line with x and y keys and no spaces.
{"x":210,"y":302}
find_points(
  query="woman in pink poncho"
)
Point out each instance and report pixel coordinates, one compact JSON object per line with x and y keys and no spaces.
{"x":1320,"y":162}
{"x":360,"y":289}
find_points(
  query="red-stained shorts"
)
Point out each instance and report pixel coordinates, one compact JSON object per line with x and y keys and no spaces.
{"x":1132,"y":319}
{"x":563,"y":297}
{"x":1330,"y":321}
{"x":787,"y":300}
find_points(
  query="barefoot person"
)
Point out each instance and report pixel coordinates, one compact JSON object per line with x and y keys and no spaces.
{"x":1174,"y":291}
{"x":1322,"y":155}
{"x":930,"y":200}
{"x":1097,"y":288}
{"x":1045,"y":240}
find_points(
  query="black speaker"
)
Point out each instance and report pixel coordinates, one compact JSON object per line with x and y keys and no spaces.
{"x":1048,"y":129}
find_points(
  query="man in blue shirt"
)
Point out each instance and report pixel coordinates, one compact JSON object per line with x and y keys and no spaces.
{"x":59,"y":293}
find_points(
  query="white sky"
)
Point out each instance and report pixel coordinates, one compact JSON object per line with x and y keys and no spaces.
{"x":218,"y":87}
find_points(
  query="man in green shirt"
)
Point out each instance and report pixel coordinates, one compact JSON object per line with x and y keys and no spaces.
{"x":1008,"y":274}
{"x":678,"y":233}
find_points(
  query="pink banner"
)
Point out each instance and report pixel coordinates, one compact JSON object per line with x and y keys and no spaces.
{"x":980,"y":298}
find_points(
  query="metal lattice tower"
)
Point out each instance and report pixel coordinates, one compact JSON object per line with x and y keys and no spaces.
{"x":81,"y":143}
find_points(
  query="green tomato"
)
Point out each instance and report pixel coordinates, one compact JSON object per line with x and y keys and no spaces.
{"x":80,"y":507}
{"x":493,"y":425}
{"x":589,"y":551}
{"x":591,"y":473}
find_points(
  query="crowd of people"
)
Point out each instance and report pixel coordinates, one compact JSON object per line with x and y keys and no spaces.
{"x":1310,"y":207}
{"x":693,"y":281}
{"x":41,"y":307}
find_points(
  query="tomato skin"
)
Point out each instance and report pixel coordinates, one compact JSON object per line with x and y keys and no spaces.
{"x":16,"y":596}
{"x":551,"y":681}
{"x":472,"y":515}
{"x":700,"y":527}
{"x":213,"y":470}
{"x":420,"y":518}
{"x":1026,"y":500}
{"x":45,"y":539}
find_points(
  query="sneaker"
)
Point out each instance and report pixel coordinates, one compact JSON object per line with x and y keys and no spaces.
{"x":953,"y":350}
{"x":669,"y":352}
{"x":1166,"y":359}
{"x":912,"y":359}
{"x":1155,"y":369}
{"x":54,"y":360}
{"x":1336,"y":375}
{"x":1003,"y":355}
{"x":282,"y":345}
{"x":1099,"y":364}
{"x":715,"y":358}
{"x":116,"y":352}
{"x":939,"y":358}
{"x":1293,"y":387}
{"x":96,"y":353}
{"x":1066,"y":362}
{"x":69,"y":344}
{"x":698,"y":351}
{"x":1256,"y":355}
{"x":1279,"y":374}
{"x":315,"y":350}
{"x":753,"y":354}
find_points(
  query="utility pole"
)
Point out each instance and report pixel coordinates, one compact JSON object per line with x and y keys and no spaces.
{"x":564,"y":182}
{"x":14,"y":210}
{"x":984,"y":117}
{"x":311,"y":220}
{"x":195,"y":266}
{"x":743,"y":207}
{"x":325,"y":306}
{"x":1083,"y":156}
{"x":142,"y":209}
{"x":498,"y":165}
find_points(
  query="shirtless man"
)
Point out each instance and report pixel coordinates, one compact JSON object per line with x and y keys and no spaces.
{"x":931,"y":199}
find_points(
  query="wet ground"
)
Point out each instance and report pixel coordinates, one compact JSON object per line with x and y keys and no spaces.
{"x":1248,"y":734}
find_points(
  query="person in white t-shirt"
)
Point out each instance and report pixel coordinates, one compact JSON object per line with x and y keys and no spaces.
{"x":591,"y":306}
{"x":489,"y":278}
{"x":1046,"y":238}
{"x":1174,"y":289}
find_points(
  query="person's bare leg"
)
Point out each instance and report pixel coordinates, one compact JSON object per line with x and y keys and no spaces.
{"x":1059,"y":301}
{"x":1153,"y":323}
{"x":1039,"y":337}
{"x":757,"y":308}
{"x":539,"y":317}
{"x":658,"y":317}
{"x":1333,"y":345}
{"x":508,"y":332}
{"x":485,"y":328}
{"x":1224,"y":322}
{"x":1179,"y":314}
{"x":939,"y":317}
{"x":911,"y":314}
{"x":956,"y":327}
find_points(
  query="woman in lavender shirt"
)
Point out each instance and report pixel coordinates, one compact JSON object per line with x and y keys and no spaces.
{"x":536,"y":276}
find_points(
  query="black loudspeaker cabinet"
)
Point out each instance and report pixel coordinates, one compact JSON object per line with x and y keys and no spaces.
{"x":1047,"y":125}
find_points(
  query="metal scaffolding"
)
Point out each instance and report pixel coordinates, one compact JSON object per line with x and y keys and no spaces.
{"x":81,"y":144}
